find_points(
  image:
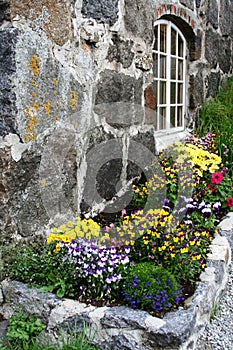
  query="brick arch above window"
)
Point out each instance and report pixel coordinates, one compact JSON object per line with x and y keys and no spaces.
{"x":194,"y":40}
{"x":187,"y":22}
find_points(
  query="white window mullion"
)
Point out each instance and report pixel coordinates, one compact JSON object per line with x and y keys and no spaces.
{"x":168,"y":74}
{"x":184,"y":81}
{"x":158,"y":82}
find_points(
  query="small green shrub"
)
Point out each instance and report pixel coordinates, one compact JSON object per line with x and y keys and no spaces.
{"x":149,"y":287}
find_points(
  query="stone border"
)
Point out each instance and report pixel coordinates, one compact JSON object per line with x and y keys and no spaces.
{"x":121,"y":328}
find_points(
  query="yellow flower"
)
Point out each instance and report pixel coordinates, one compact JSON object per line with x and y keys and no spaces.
{"x":63,"y":228}
{"x":70,"y":224}
{"x":184,"y":250}
{"x":57,"y":249}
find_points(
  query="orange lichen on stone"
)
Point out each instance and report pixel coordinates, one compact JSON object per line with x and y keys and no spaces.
{"x":36,"y":106}
{"x":55,"y":82}
{"x":47,"y":107}
{"x":73,"y":100}
{"x":34,"y":86}
{"x":35,"y":66}
{"x":32,"y":123}
{"x":85,"y":47}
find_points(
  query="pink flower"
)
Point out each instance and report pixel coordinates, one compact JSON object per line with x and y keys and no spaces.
{"x":109,"y":228}
{"x":216,"y":178}
{"x":123,"y":213}
{"x":229,"y":202}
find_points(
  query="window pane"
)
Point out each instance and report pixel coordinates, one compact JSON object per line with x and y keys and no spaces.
{"x":180,"y":47}
{"x":180,"y":69}
{"x":155,"y":89}
{"x":173,"y":93}
{"x":173,"y":117}
{"x":163,"y":67}
{"x":179,"y":116}
{"x":162,"y":118}
{"x":156,"y":39}
{"x":173,"y":42}
{"x":180,"y":93}
{"x":162,"y":99}
{"x":155,"y":65}
{"x":169,"y":59}
{"x":163,"y":31}
{"x":173,"y":68}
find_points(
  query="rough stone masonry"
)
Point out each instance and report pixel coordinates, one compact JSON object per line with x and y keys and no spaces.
{"x":77,"y":104}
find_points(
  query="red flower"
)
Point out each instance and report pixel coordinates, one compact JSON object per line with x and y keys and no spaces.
{"x":216,"y":178}
{"x":229,"y":202}
{"x":211,"y":188}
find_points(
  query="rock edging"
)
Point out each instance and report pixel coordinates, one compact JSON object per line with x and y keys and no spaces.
{"x":121,"y":328}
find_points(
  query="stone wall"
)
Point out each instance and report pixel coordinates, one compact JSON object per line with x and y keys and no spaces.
{"x":76,"y":100}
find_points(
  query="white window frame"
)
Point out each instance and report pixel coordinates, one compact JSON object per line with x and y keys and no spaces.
{"x":167,"y":105}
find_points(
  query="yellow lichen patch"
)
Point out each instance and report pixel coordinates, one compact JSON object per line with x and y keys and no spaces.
{"x":35,"y":66}
{"x":55,"y":82}
{"x":73,"y":100}
{"x":43,"y":182}
{"x":33,"y":94}
{"x":55,"y":118}
{"x":32,"y":123}
{"x":47,"y":107}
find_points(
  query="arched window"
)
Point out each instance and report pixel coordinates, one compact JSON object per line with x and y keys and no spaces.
{"x":169,"y":54}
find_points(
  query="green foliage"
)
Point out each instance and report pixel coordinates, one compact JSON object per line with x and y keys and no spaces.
{"x":151,"y":288}
{"x":22,"y":327}
{"x":54,"y":272}
{"x":23,"y":331}
{"x":217,"y":117}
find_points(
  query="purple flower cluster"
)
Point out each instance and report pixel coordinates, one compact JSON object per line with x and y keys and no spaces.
{"x":204,"y":208}
{"x":206,"y":142}
{"x":161,"y":300}
{"x":97,"y":266}
{"x":151,"y":292}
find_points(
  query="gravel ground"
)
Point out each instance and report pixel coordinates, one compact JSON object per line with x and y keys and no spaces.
{"x":218,"y":334}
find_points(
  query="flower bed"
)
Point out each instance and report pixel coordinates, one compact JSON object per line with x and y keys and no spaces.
{"x":158,"y":246}
{"x":120,"y":327}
